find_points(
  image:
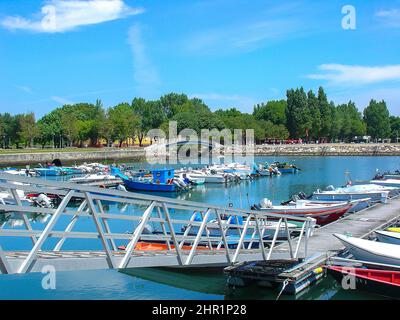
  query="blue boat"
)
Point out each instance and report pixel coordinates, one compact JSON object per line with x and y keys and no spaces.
{"x":50,"y":171}
{"x":285,"y":167}
{"x":162,"y":181}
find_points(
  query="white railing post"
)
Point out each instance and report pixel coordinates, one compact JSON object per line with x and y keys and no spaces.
{"x":136,"y":235}
{"x":223,"y":235}
{"x":197,"y":240}
{"x":278,"y":228}
{"x":4,"y":265}
{"x":261,"y":238}
{"x":289,"y":239}
{"x":299,"y":240}
{"x":243,"y":235}
{"x":24,"y":217}
{"x":99,"y":228}
{"x":26,"y":264}
{"x":70,"y":226}
{"x":167,"y":242}
{"x":172,"y":232}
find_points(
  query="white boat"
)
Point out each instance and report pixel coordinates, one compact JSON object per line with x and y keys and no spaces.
{"x":388,"y":236}
{"x":387,"y":183}
{"x":357,"y":192}
{"x":21,"y":172}
{"x":208,"y":177}
{"x":324,"y":213}
{"x":371,"y":251}
{"x":95,"y":177}
{"x":196,"y":181}
{"x":7,"y":198}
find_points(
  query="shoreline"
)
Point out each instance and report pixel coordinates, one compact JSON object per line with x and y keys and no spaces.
{"x":137,"y":154}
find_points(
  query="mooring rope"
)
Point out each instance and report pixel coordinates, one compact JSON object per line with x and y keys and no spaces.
{"x":285,"y":283}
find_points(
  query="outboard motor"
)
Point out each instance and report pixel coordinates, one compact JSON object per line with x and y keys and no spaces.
{"x":120,"y":187}
{"x":44,"y":201}
{"x":266,"y":203}
{"x":148,"y":229}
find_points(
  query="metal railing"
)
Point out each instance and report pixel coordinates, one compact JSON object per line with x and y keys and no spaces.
{"x":216,"y":237}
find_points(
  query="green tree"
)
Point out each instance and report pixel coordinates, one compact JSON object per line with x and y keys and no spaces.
{"x":28,"y":128}
{"x":299,"y":121}
{"x":315,"y":114}
{"x":326,"y":112}
{"x":377,"y":119}
{"x":395,"y":126}
{"x":274,"y":111}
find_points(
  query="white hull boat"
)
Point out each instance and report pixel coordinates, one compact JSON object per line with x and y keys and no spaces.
{"x":371,"y":251}
{"x":387,"y":183}
{"x":208,"y":178}
{"x":388,"y":237}
{"x":358,"y":192}
{"x":97,"y":177}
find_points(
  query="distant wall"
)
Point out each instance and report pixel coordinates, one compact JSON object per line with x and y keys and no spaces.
{"x":268,"y":150}
{"x":330,"y":150}
{"x":70,"y":157}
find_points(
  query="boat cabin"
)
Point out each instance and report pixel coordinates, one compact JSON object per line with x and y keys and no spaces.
{"x":163,"y":175}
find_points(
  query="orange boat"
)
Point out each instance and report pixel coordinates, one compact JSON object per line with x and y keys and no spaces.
{"x":153,"y":246}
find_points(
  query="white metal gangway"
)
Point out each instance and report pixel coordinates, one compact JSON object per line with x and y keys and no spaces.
{"x":59,"y":240}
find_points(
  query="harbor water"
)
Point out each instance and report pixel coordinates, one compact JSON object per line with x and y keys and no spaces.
{"x":162,"y":283}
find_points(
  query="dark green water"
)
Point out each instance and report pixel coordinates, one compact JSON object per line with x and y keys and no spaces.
{"x":317,"y":172}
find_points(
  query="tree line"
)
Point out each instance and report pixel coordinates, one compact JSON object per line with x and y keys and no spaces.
{"x":310,"y":116}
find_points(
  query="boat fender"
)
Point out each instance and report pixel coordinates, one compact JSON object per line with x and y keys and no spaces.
{"x":318,"y":270}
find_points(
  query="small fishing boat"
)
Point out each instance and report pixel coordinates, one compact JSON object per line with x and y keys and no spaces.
{"x":72,"y":170}
{"x":95,"y":177}
{"x":388,"y":236}
{"x":208,"y":177}
{"x":50,"y":171}
{"x":382,"y":282}
{"x":6,"y":198}
{"x":371,"y":251}
{"x":187,"y":178}
{"x":323,"y":213}
{"x":161,"y":181}
{"x":21,"y":172}
{"x":352,"y":193}
{"x":285,"y":167}
{"x":387,"y":182}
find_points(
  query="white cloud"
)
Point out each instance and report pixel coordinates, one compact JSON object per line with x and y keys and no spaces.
{"x":25,"y":89}
{"x":243,"y":37}
{"x":145,"y":73}
{"x":389,"y":17}
{"x":61,"y":100}
{"x":353,"y":75}
{"x":65,"y":15}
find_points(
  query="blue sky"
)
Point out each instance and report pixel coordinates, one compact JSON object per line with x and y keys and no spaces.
{"x":230,"y":53}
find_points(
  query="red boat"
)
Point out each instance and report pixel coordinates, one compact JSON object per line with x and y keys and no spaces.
{"x":323,"y":213}
{"x":382,"y":282}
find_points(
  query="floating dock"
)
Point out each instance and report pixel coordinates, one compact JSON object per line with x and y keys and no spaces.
{"x":320,"y":248}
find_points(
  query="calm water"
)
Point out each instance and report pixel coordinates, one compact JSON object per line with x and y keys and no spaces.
{"x":317,"y":172}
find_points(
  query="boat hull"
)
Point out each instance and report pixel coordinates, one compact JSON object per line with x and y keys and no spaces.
{"x":382,"y":282}
{"x":322,"y":216}
{"x":388,"y":237}
{"x":143,"y":186}
{"x":364,"y":252}
{"x":333,"y":196}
